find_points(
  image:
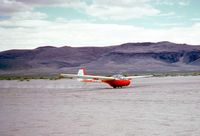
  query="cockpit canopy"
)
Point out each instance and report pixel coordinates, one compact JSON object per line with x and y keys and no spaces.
{"x":119,"y":77}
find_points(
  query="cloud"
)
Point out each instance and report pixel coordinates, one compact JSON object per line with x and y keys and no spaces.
{"x":43,"y":2}
{"x":26,"y":28}
{"x":124,"y":3}
{"x":121,"y":13}
{"x":33,"y":33}
{"x":184,"y":3}
{"x":28,"y":15}
{"x":123,"y":10}
{"x":104,"y":9}
{"x":195,"y":19}
{"x":11,"y":7}
{"x":170,"y":24}
{"x":58,"y":3}
{"x":167,"y":14}
{"x":8,"y":7}
{"x":172,"y":2}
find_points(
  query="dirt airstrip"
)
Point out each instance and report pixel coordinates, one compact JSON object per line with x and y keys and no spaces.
{"x":156,"y":106}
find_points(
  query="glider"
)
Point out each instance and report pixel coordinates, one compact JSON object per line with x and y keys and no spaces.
{"x":114,"y":81}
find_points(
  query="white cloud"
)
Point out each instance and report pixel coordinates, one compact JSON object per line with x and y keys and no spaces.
{"x":34,"y":33}
{"x":28,"y":15}
{"x":170,"y":24}
{"x":184,"y":3}
{"x":28,"y":29}
{"x":24,"y":19}
{"x":124,"y":3}
{"x":195,"y":19}
{"x":167,"y":14}
{"x":126,"y":9}
{"x":122,"y":13}
{"x":118,"y":9}
{"x":172,"y":2}
{"x":165,"y":2}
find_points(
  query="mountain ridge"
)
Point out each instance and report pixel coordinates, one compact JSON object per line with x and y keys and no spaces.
{"x":147,"y":56}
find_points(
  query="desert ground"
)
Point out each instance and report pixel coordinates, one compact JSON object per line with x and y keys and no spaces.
{"x":156,"y":106}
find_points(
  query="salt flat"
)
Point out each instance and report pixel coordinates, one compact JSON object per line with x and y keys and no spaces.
{"x":157,"y":106}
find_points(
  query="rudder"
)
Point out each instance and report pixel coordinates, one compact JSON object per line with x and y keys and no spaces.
{"x":81,"y":72}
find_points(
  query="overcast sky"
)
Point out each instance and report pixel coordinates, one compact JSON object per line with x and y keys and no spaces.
{"x":27,"y":24}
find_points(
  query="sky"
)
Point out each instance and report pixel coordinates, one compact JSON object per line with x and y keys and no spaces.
{"x":28,"y":24}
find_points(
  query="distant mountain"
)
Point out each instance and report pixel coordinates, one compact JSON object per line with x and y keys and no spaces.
{"x":129,"y":57}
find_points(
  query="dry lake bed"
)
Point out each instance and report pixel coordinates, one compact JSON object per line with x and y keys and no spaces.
{"x":157,"y":106}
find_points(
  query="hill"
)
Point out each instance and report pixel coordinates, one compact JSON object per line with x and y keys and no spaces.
{"x":128,"y":57}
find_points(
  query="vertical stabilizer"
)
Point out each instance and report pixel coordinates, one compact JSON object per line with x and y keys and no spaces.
{"x":81,"y":72}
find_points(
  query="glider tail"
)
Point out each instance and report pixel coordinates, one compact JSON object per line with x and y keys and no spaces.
{"x":81,"y":72}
